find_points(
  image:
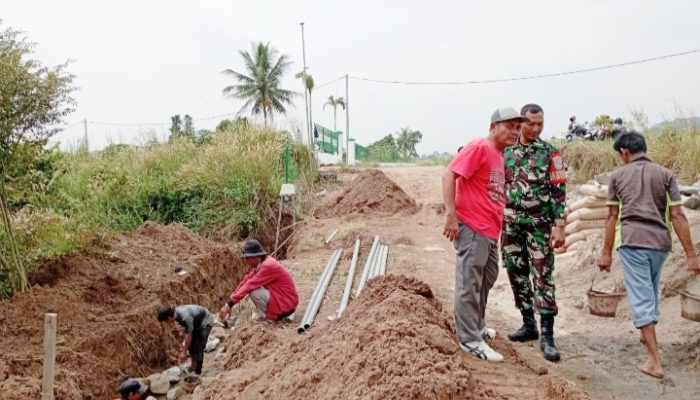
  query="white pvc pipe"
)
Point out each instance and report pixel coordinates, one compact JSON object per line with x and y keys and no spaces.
{"x":319,"y":298}
{"x":384,"y":262}
{"x":300,"y":329}
{"x":368,"y":264}
{"x":351,"y":277}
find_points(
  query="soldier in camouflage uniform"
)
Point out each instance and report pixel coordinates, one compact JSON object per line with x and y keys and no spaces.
{"x":533,"y":225}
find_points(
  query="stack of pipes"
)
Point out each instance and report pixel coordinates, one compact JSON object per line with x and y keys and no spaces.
{"x":374,"y":266}
{"x":319,"y":292}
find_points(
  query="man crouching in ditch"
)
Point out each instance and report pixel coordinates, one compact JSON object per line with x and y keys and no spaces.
{"x":269,"y":284}
{"x":643,"y":202}
{"x":197,"y":322}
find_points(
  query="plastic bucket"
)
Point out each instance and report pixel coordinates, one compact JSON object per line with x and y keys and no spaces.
{"x":603,"y":304}
{"x":690,"y":306}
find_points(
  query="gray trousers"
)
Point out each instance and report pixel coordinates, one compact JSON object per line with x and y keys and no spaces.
{"x":260,"y":297}
{"x":476,"y":273}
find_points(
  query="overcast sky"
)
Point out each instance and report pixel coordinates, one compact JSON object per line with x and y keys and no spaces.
{"x":143,"y":61}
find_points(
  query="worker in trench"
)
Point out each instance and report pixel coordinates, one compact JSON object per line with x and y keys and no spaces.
{"x":197,"y":322}
{"x":533,"y":226}
{"x":644,"y":202}
{"x":132,"y":389}
{"x":269,"y":284}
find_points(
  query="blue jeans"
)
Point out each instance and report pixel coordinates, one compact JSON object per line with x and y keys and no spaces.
{"x":642,"y":269}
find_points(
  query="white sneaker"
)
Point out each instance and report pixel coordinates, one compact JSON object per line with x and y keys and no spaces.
{"x":290,"y":317}
{"x":482,"y":351}
{"x":488,"y":333}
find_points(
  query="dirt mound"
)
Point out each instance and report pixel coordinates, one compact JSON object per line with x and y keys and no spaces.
{"x":106,"y":305}
{"x":393,"y":342}
{"x":371,"y":192}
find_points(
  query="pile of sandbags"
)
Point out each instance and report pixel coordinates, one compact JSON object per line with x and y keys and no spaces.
{"x":691,"y":196}
{"x":585,"y":217}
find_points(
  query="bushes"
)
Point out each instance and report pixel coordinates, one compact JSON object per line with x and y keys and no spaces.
{"x":677,"y":149}
{"x":219,"y":189}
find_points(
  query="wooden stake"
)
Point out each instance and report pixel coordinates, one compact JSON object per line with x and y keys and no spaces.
{"x":49,"y":356}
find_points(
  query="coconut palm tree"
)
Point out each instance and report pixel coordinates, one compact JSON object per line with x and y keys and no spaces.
{"x":309,"y":87}
{"x":260,"y":87}
{"x":335,"y":102}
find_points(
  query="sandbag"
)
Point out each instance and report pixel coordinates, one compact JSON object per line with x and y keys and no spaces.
{"x":585,"y":202}
{"x":581,"y":236}
{"x":587,"y":213}
{"x":580,"y":245}
{"x":582,"y":224}
{"x":594,"y":190}
{"x":574,"y":237}
{"x":566,"y":256}
{"x":560,"y":250}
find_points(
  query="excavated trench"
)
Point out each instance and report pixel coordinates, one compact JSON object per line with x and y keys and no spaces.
{"x":107,"y":305}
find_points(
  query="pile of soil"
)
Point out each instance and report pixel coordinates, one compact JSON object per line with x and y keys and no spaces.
{"x":371,"y":193}
{"x":107,"y":305}
{"x":393,"y":342}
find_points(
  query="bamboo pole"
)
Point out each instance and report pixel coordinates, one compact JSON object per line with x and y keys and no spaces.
{"x":19,"y":266}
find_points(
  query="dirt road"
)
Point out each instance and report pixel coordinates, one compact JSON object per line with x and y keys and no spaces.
{"x":599,"y":354}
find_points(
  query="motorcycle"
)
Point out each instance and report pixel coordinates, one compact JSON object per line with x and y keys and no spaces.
{"x":581,"y":131}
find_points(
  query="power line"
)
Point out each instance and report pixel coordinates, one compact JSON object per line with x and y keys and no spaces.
{"x":156,"y":123}
{"x":522,"y":78}
{"x":73,"y":125}
{"x":328,"y":83}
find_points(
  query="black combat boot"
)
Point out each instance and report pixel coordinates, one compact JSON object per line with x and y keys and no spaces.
{"x":529,"y":329}
{"x":547,"y":343}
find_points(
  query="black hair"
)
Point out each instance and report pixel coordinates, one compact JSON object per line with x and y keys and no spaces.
{"x":165,"y":313}
{"x":531,"y":108}
{"x":459,"y":149}
{"x":631,"y":141}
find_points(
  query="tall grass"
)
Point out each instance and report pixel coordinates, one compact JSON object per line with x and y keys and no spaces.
{"x":675,"y":148}
{"x":220,"y":189}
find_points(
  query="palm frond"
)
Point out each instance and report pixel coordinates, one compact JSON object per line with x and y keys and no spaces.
{"x":260,"y":86}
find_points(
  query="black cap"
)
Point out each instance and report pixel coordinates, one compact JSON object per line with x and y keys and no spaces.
{"x":253,"y":248}
{"x":130,"y":386}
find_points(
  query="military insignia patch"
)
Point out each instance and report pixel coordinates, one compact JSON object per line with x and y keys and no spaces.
{"x":557,"y":168}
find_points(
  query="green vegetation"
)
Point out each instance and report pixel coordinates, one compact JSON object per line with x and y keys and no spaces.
{"x":221,"y":189}
{"x":676,"y":148}
{"x":399,"y":147}
{"x":33,"y":102}
{"x":260,"y":88}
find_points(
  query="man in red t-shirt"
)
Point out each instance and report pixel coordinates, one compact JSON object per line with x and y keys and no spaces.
{"x":269,"y":285}
{"x":473,"y":192}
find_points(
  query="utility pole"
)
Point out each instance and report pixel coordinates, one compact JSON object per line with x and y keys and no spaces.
{"x":347,"y":118}
{"x":87,"y":147}
{"x":307,"y":120}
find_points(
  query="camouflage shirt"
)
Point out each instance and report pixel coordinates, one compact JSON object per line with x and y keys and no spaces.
{"x":535,"y":181}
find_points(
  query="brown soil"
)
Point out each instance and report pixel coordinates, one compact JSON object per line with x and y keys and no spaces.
{"x":370,"y":193}
{"x":394,"y":342}
{"x":107,"y":328}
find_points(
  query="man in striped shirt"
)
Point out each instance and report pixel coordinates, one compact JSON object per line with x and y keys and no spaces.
{"x":197,"y":322}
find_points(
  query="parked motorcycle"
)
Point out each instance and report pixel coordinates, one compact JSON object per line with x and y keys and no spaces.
{"x":580,"y":131}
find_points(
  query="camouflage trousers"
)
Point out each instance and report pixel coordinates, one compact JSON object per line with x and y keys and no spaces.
{"x":529,"y":260}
